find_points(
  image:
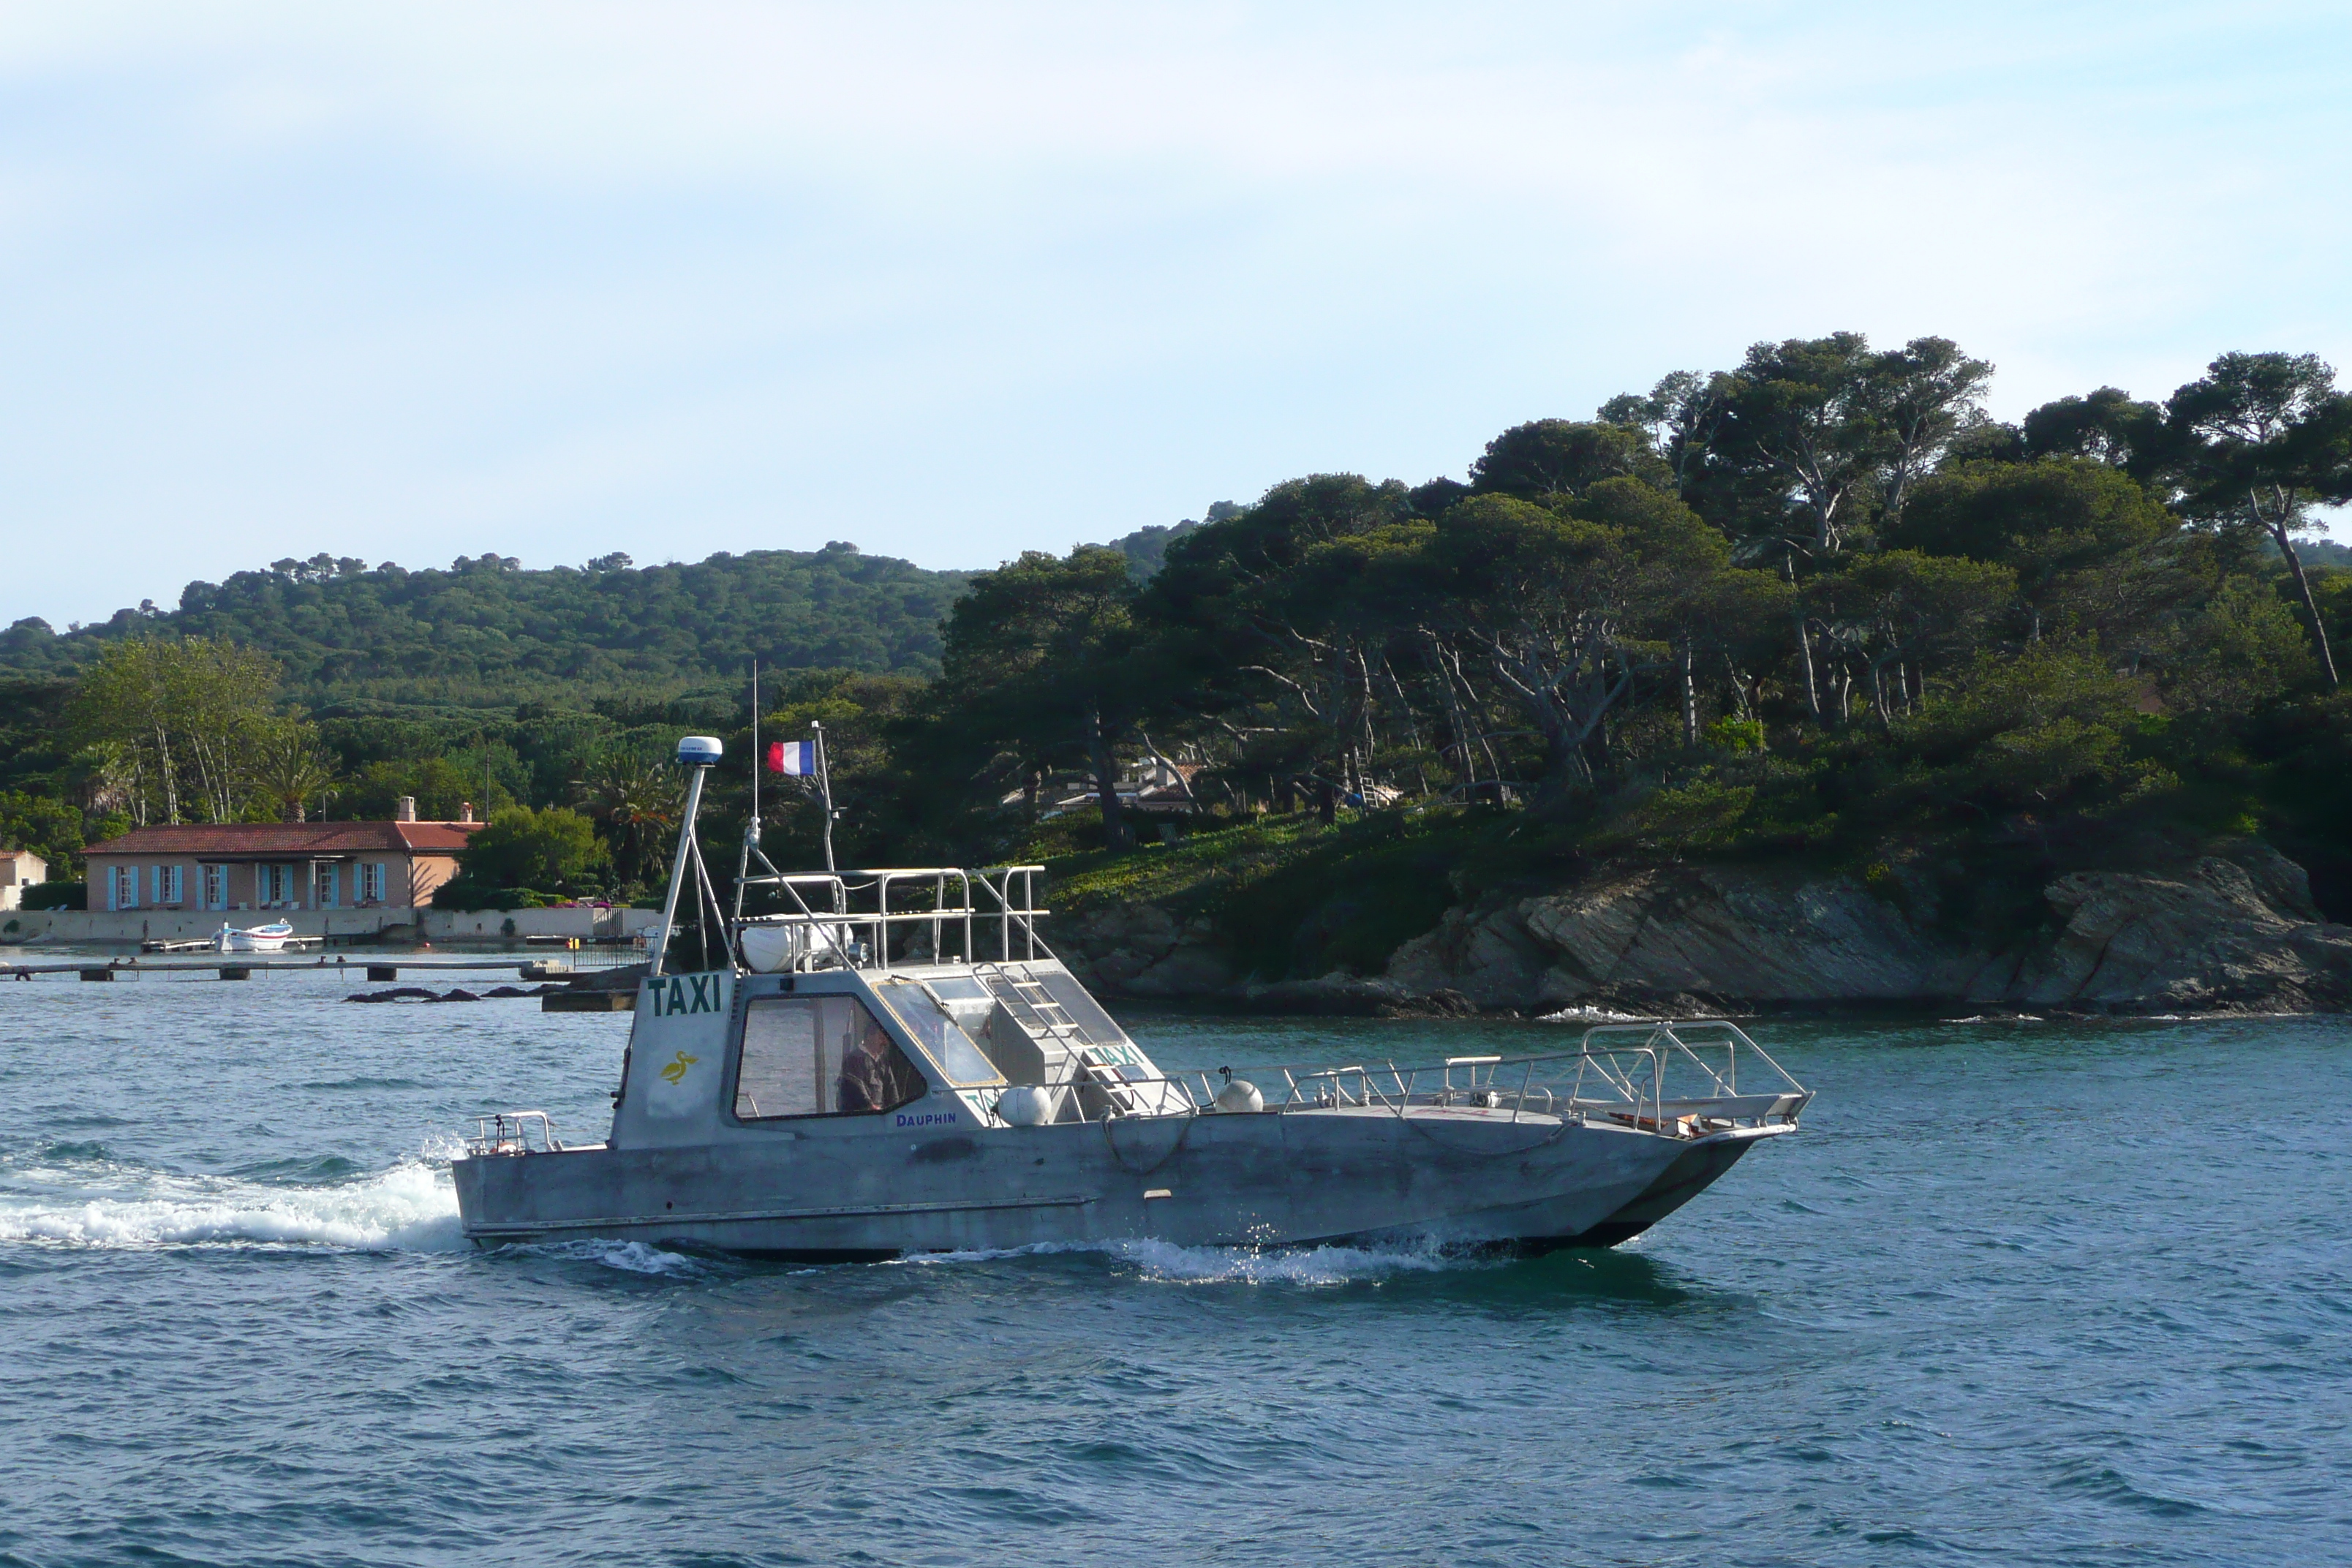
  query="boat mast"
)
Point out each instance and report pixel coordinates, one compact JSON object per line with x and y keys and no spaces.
{"x":698,"y":753}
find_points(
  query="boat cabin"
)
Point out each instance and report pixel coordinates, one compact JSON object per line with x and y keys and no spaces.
{"x":829,"y":1017}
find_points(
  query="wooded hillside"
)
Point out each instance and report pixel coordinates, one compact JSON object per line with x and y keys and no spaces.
{"x":485,"y":632}
{"x":1817,"y":606}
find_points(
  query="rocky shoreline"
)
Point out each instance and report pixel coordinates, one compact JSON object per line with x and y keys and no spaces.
{"x":2231,"y":931}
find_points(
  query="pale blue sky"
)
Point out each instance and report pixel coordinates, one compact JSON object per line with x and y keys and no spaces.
{"x":953,"y":281}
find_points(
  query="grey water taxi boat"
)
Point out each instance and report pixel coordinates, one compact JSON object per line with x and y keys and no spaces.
{"x":898,"y":1064}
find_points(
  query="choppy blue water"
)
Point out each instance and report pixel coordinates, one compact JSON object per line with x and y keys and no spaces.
{"x":2019,"y":1294}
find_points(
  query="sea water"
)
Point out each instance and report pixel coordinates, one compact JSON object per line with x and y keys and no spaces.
{"x":2021,"y":1292}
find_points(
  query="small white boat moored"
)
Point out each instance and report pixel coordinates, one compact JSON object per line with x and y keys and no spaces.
{"x":270,"y":938}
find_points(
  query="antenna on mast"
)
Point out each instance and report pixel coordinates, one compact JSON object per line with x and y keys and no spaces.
{"x":751,"y":827}
{"x":825,"y":790}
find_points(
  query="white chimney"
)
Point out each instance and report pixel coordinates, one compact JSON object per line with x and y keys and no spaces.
{"x":464,"y":811}
{"x":406,"y":810}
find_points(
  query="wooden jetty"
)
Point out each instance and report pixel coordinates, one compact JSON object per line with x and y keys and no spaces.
{"x":240,"y":966}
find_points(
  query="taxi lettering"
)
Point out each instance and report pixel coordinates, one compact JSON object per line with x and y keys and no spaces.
{"x":683,"y":994}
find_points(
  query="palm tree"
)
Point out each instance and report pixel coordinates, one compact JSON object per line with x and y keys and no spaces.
{"x":286,"y":766}
{"x":105,"y":779}
{"x":637,"y":800}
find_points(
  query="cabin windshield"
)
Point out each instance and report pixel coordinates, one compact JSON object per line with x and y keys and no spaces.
{"x":818,"y":1056}
{"x":960,"y":1061}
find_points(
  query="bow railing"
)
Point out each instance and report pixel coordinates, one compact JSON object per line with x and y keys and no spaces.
{"x":1679,"y":1078}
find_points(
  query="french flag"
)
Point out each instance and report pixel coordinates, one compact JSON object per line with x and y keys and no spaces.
{"x":795,"y":758}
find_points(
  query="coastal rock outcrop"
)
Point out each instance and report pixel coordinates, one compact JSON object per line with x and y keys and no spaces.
{"x":1141,"y":949}
{"x":1486,"y":954}
{"x":1754,"y":935}
{"x":1678,"y":937}
{"x":2234,"y":930}
{"x":2226,"y":932}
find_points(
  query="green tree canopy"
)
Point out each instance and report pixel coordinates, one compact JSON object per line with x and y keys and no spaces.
{"x":1549,"y":461}
{"x":183,"y":714}
{"x":1558,"y":605}
{"x":2251,"y":450}
{"x":49,"y":828}
{"x":2059,"y":514}
{"x":551,"y":851}
{"x":2107,"y":426}
{"x":1900,"y":612}
{"x":1038,"y":661}
{"x":2055,"y":522}
{"x":1811,"y":439}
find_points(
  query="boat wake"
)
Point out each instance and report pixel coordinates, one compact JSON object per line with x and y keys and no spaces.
{"x":628,"y":1256}
{"x":72,"y":1197}
{"x":1165,"y":1262}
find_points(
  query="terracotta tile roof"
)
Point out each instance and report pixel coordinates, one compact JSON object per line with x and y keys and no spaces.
{"x":427,"y":836}
{"x":290,"y":840}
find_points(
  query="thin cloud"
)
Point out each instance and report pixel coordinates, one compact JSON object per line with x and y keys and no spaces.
{"x":953,"y":281}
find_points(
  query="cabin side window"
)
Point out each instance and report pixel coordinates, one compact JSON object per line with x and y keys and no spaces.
{"x":924,"y":1011}
{"x":818,"y":1056}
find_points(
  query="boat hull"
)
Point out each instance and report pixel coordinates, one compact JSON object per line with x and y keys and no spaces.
{"x":1449,"y":1178}
{"x":271,"y":938}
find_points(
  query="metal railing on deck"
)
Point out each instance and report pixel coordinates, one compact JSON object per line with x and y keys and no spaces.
{"x":847,"y":920}
{"x":509,"y":1133}
{"x":1677,"y":1078}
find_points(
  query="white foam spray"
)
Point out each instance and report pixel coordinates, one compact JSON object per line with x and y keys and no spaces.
{"x":1593,"y":1015}
{"x":411,"y":1207}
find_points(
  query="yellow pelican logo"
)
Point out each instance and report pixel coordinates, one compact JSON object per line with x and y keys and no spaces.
{"x":676,"y":1071}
